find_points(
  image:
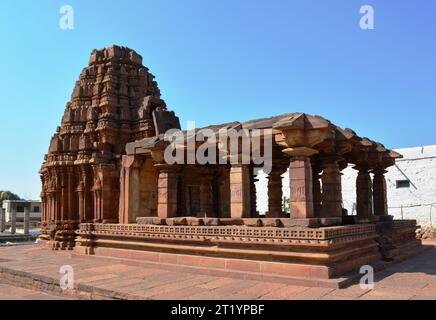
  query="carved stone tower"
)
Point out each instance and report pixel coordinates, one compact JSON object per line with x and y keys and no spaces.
{"x":115,"y":101}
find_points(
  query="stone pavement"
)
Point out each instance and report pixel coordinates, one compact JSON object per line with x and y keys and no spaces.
{"x":37,"y":269}
{"x":9,"y":292}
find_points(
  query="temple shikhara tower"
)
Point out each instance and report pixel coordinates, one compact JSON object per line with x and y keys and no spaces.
{"x":107,"y":189}
{"x":115,"y":101}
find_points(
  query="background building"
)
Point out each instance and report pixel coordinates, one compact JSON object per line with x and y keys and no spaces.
{"x":19,"y":205}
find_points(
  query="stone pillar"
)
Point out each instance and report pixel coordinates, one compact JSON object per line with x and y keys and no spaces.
{"x":64,"y":196}
{"x":364,"y":195}
{"x":316,"y":191}
{"x":52,"y":205}
{"x":2,"y":220}
{"x":240,"y":195}
{"x":80,"y":196}
{"x":379,"y":193}
{"x":275,"y":194}
{"x":13,"y":219}
{"x":71,"y":214}
{"x":26,"y":220}
{"x":206,"y":196}
{"x":48,"y":207}
{"x":253,"y":194}
{"x":167,"y":192}
{"x":133,"y":193}
{"x":331,"y":190}
{"x":300,"y":181}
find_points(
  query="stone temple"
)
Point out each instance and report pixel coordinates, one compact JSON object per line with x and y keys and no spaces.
{"x":107,"y":189}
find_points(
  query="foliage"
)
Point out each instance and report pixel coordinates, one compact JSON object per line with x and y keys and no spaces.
{"x":7,"y":195}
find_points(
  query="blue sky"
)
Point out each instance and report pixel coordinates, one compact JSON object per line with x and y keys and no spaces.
{"x":219,"y":61}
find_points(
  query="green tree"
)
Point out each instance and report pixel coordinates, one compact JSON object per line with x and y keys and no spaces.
{"x":7,"y":195}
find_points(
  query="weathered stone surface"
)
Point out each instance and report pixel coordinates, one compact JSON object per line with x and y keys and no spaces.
{"x":106,"y":173}
{"x":231,"y":222}
{"x":112,"y":104}
{"x":192,"y":221}
{"x":253,"y":222}
{"x":271,"y":222}
{"x":151,"y":220}
{"x":211,"y":221}
{"x":177,"y":221}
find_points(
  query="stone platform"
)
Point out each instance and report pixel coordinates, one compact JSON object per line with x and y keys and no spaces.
{"x":7,"y":237}
{"x":293,"y":252}
{"x":326,"y":256}
{"x":37,"y":269}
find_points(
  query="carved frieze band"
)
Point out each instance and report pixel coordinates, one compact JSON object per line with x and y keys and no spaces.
{"x":234,"y":233}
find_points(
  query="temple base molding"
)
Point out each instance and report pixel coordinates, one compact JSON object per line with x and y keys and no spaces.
{"x":322,"y":253}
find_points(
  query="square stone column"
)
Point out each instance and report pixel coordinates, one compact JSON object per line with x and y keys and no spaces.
{"x":240,"y":193}
{"x":206,"y":196}
{"x":300,"y":180}
{"x":317,"y":192}
{"x":275,"y":194}
{"x":167,"y":192}
{"x":380,"y":193}
{"x":63,"y":203}
{"x":13,"y":219}
{"x":49,"y":213}
{"x":2,"y":220}
{"x":129,"y":190}
{"x":26,"y":220}
{"x":331,"y":190}
{"x":364,"y":195}
{"x":253,"y":194}
{"x":81,"y":197}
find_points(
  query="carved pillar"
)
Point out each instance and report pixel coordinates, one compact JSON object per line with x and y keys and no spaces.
{"x":88,"y":203}
{"x":331,"y":189}
{"x":55,"y":206}
{"x":316,"y":181}
{"x":63,"y":203}
{"x":58,"y":204}
{"x":363,"y":194}
{"x":240,"y":198}
{"x":129,"y":198}
{"x":97,"y":204}
{"x":123,"y":199}
{"x":206,"y":195}
{"x":167,"y":191}
{"x":132,"y":175}
{"x":253,"y":194}
{"x":109,"y":193}
{"x":81,"y":199}
{"x":70,"y":195}
{"x":275,"y":194}
{"x":44,"y":208}
{"x":49,"y":206}
{"x":96,"y":188}
{"x":300,"y":179}
{"x":380,"y":193}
